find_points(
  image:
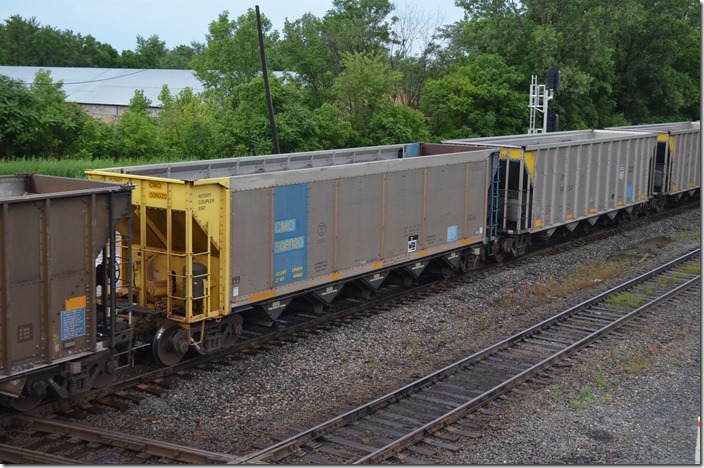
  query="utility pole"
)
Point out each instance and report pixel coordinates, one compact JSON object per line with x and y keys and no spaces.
{"x":540,"y":95}
{"x":265,"y":73}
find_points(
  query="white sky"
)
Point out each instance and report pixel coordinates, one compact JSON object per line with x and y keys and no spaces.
{"x":177,"y":22}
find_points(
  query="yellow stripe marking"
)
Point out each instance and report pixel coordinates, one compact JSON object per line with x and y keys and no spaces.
{"x":422,"y":253}
{"x":335,"y":276}
{"x":378,"y":264}
{"x":467,"y":241}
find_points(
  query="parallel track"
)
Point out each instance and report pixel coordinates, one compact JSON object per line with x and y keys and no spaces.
{"x":56,"y":442}
{"x":376,"y":431}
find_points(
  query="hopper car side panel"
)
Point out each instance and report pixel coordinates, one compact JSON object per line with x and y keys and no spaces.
{"x":557,"y":179}
{"x":678,"y":158}
{"x":316,"y":227}
{"x":582,"y":181}
{"x":686,"y":162}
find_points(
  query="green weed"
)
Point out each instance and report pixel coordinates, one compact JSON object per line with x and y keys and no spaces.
{"x":586,"y":397}
{"x":635,"y":364}
{"x":374,"y":364}
{"x":691,"y":268}
{"x":628,"y":299}
{"x":67,"y":167}
{"x":601,"y":381}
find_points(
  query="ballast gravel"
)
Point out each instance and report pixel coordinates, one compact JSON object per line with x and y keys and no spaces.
{"x":629,"y":400}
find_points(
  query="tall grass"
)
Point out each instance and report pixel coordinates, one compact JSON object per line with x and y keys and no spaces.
{"x":66,"y":167}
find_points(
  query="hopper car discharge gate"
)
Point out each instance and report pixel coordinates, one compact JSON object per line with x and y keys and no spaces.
{"x":200,"y":227}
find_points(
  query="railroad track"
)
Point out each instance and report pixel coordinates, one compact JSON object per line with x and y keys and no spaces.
{"x":382,"y":428}
{"x":36,"y":440}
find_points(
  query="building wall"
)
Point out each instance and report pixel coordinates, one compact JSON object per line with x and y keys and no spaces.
{"x":111,"y":113}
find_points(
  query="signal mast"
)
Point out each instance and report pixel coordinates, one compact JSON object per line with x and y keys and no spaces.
{"x":540,"y":95}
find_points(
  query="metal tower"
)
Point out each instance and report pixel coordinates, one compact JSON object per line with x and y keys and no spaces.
{"x":540,"y":95}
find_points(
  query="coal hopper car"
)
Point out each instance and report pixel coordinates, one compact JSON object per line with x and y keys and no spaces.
{"x":220,"y":242}
{"x":61,"y":328}
{"x":553,"y":182}
{"x":678,"y":160}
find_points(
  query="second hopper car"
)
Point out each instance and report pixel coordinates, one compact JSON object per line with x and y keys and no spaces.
{"x":553,"y":182}
{"x":218,"y":242}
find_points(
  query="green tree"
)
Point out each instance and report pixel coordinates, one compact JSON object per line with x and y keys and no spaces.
{"x":136,"y":134}
{"x":477,"y":99}
{"x":19,"y":115}
{"x":148,"y":54}
{"x":250,"y":122}
{"x":19,"y":44}
{"x":358,"y":26}
{"x":398,"y":124}
{"x":366,"y":86}
{"x":231,"y":54}
{"x":332,"y":130}
{"x":178,"y":58}
{"x":96,"y":140}
{"x":96,"y":54}
{"x":305,"y":52}
{"x":636,"y":59}
{"x":657,"y":60}
{"x":189,"y":126}
{"x":26,"y":42}
{"x":59,"y":121}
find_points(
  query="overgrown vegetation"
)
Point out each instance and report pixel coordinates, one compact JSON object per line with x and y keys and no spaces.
{"x":363,"y":74}
{"x":536,"y":294}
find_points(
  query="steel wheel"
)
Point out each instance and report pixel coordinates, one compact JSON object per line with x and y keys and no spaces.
{"x":170,"y":344}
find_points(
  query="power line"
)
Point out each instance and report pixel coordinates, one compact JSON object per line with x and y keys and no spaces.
{"x":82,"y":82}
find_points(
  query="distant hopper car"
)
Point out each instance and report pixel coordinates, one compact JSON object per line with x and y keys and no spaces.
{"x":181,"y":256}
{"x":553,"y":182}
{"x":678,"y":162}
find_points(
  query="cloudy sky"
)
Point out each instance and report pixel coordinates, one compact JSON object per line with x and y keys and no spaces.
{"x":178,"y":22}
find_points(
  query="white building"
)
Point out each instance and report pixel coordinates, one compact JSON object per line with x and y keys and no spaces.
{"x":105,"y":93}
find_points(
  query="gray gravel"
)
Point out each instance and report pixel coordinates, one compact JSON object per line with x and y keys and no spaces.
{"x":630,"y":413}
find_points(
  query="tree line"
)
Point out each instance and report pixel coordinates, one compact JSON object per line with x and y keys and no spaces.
{"x":366,"y":73}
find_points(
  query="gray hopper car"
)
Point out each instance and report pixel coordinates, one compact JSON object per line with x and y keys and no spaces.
{"x":558,"y":179}
{"x":678,"y":160}
{"x":247,"y":235}
{"x":52,"y":230}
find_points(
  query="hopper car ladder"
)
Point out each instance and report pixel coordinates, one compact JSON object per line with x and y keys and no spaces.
{"x":494,"y":198}
{"x":121,"y":322}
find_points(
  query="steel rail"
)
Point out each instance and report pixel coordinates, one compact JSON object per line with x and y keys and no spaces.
{"x":23,"y":456}
{"x":138,"y":444}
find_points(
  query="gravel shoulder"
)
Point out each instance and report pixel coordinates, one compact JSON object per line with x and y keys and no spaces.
{"x":639,"y":413}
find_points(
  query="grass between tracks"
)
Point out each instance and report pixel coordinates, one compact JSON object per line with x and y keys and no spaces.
{"x":585,"y":276}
